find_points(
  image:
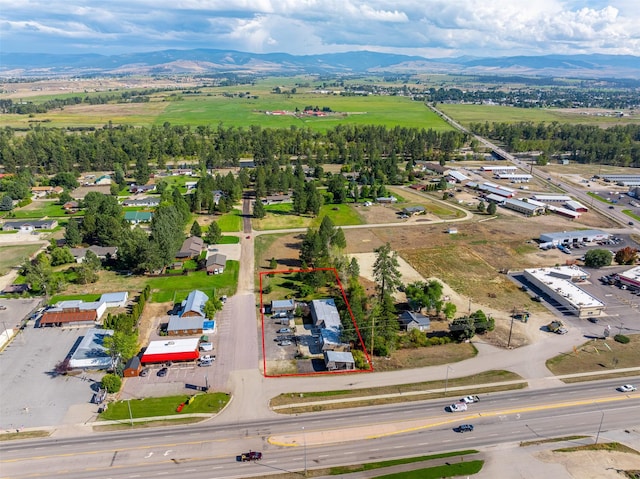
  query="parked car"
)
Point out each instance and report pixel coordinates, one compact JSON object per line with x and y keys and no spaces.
{"x":285,"y":343}
{"x":627,"y":388}
{"x":163,"y":372}
{"x":2,"y":307}
{"x":144,"y":372}
{"x":205,"y":362}
{"x":464,"y":428}
{"x":284,"y":330}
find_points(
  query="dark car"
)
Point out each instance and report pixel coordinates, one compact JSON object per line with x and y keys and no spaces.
{"x":593,"y":320}
{"x":163,"y":372}
{"x":464,"y":428}
{"x":630,"y":223}
{"x":144,"y":372}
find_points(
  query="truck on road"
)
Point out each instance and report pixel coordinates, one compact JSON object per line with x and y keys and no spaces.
{"x":557,"y":327}
{"x":249,"y":456}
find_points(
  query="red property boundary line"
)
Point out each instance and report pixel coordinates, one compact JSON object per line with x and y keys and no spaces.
{"x":344,"y":297}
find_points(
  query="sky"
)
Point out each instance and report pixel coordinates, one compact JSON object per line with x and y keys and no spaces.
{"x":428,"y":28}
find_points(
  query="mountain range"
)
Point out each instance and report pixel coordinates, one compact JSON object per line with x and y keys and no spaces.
{"x":200,"y":61}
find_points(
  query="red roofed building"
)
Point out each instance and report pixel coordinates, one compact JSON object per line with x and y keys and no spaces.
{"x":171,"y":350}
{"x":68,"y":317}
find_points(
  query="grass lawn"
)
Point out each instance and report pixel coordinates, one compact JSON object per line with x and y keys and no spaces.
{"x":164,"y":406}
{"x":163,"y":288}
{"x":39,"y":209}
{"x":230,"y":222}
{"x":11,"y":256}
{"x":631,"y":214}
{"x":229,"y":240}
{"x":595,"y":356}
{"x":341,"y":215}
{"x":396,"y":462}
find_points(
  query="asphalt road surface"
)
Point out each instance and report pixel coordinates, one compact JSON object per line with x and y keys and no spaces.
{"x":209,"y":450}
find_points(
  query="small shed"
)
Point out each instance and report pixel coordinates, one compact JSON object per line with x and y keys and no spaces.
{"x":115,"y":300}
{"x":132,"y":368}
{"x":339,"y":360}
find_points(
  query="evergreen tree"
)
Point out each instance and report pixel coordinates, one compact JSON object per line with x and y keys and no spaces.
{"x":385,"y":271}
{"x":213,"y":234}
{"x":492,"y":208}
{"x":259,"y":211}
{"x":195,"y":229}
{"x":6,"y":204}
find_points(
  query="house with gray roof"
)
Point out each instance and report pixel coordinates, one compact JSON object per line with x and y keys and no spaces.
{"x":191,"y":247}
{"x":216,"y":263}
{"x":339,"y":361}
{"x":410,"y":320}
{"x":102,"y":252}
{"x":115,"y":300}
{"x":283,"y":306}
{"x":326,"y":318}
{"x":194,"y":304}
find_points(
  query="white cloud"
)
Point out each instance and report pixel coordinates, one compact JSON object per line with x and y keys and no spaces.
{"x":428,"y":27}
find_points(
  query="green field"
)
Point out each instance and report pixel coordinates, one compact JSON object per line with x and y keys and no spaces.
{"x":280,"y":217}
{"x":163,"y":288}
{"x":230,"y":222}
{"x":214,"y":106}
{"x":466,"y":114}
{"x":37,"y":210}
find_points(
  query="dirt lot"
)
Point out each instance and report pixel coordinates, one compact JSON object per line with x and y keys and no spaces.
{"x":593,"y":464}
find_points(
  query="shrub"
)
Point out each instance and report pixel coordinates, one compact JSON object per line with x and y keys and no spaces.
{"x":621,"y":338}
{"x":111,"y":383}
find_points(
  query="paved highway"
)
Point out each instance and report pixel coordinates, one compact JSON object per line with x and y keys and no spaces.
{"x":208,"y":450}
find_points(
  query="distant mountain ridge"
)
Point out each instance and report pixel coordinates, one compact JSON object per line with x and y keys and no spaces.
{"x":358,"y":62}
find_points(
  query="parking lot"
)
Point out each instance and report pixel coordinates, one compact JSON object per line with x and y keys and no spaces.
{"x":32,"y":394}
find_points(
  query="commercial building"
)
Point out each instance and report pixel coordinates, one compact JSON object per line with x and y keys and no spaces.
{"x":174,"y":350}
{"x":91,"y":352}
{"x":522,"y":207}
{"x":327,"y":319}
{"x":185,"y":326}
{"x":566,"y":212}
{"x":558,"y":283}
{"x":570,"y":237}
{"x":498,"y":168}
{"x":488,"y":189}
{"x":576,"y":206}
{"x":115,"y":300}
{"x":516,"y":177}
{"x":630,"y":278}
{"x":552,"y":198}
{"x":456,"y":176}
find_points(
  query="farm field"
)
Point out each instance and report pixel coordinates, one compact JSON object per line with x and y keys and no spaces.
{"x":466,"y":114}
{"x":214,"y":106}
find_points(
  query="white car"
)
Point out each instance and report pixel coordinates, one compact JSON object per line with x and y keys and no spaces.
{"x":627,"y":388}
{"x":460,"y":406}
{"x":470,"y":399}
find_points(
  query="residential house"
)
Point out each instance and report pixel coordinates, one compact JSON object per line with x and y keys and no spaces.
{"x":194,"y":304}
{"x":216,"y":263}
{"x":326,"y":318}
{"x":16,"y":288}
{"x":277,"y":199}
{"x":148,"y":202}
{"x":136,"y":217}
{"x":41,"y":191}
{"x":410,"y":320}
{"x":339,"y":361}
{"x":414,"y":210}
{"x":102,"y":252}
{"x":103,"y":180}
{"x":71,"y":207}
{"x":28,"y":226}
{"x":137,"y":189}
{"x":191,"y":248}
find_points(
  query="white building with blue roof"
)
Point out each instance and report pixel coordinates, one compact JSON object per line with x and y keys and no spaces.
{"x":91,"y":352}
{"x":115,"y":300}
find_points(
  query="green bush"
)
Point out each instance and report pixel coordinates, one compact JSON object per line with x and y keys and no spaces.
{"x":621,"y":338}
{"x":111,"y":383}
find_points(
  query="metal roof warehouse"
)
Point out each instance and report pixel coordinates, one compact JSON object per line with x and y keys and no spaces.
{"x":586,"y":236}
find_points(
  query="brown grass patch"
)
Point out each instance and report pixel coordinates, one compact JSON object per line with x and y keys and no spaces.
{"x":595,"y":356}
{"x":12,"y":436}
{"x":427,"y":356}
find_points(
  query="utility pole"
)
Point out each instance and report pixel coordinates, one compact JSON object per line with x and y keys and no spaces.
{"x":446,"y":380}
{"x":599,"y":427}
{"x":304,"y":436}
{"x":130,"y":415}
{"x":510,"y":330}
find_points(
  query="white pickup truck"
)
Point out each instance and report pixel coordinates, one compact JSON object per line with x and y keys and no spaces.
{"x":458,"y":407}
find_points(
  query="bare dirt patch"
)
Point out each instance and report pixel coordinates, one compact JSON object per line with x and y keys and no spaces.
{"x":592,"y":464}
